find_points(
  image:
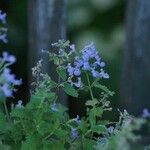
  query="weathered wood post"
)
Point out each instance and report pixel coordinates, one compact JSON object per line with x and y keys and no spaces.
{"x":135,"y":87}
{"x":46,"y":25}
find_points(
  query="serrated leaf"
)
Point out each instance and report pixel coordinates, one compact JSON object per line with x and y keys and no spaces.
{"x":98,"y":111}
{"x":104,"y":88}
{"x":103,"y":122}
{"x":100,"y":129}
{"x":44,"y":127}
{"x":21,"y":113}
{"x":62,"y":73}
{"x":91,"y":102}
{"x":70,"y":90}
{"x":33,"y":142}
{"x":88,"y":144}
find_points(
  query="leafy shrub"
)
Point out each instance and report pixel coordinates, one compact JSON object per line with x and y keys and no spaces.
{"x":44,"y":123}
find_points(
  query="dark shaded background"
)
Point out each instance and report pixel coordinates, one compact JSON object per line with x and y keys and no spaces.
{"x":99,"y":21}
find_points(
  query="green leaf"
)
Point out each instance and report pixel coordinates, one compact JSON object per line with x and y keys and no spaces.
{"x":22,"y":113}
{"x":88,"y":144}
{"x":33,"y":142}
{"x":70,"y":90}
{"x":53,"y":145}
{"x":44,"y":128}
{"x":99,"y":129}
{"x":62,"y":73}
{"x":104,"y":88}
{"x":2,"y":122}
{"x":98,"y":111}
{"x":91,"y":102}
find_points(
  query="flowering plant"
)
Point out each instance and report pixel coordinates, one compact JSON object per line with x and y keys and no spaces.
{"x":44,"y":123}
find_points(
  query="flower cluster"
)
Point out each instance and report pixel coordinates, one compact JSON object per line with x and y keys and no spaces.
{"x":88,"y":61}
{"x":146,"y":113}
{"x":2,"y":17}
{"x":74,"y":133}
{"x":7,"y":79}
{"x":3,"y":30}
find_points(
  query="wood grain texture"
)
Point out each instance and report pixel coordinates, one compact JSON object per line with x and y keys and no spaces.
{"x":135,"y":85}
{"x":47,"y":24}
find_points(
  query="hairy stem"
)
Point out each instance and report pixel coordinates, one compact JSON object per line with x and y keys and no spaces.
{"x":89,"y":85}
{"x":6,"y":111}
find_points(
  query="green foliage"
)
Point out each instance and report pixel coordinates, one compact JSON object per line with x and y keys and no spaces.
{"x":44,"y":123}
{"x":70,"y":90}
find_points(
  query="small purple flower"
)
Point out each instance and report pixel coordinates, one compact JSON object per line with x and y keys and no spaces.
{"x":78,"y":62}
{"x":88,"y":61}
{"x":2,"y":17}
{"x":3,"y":37}
{"x":76,"y":84}
{"x":9,"y":58}
{"x":77,"y":119}
{"x":70,"y":70}
{"x":89,"y":51}
{"x":146,"y":113}
{"x":77,"y":72}
{"x":7,"y":91}
{"x":95,"y":73}
{"x":74,"y":133}
{"x":17,"y":82}
{"x":104,"y":75}
{"x":86,"y":65}
{"x":85,"y":56}
{"x":10,"y":78}
{"x":102,"y":64}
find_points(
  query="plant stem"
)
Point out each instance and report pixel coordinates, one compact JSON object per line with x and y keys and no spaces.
{"x":6,"y":111}
{"x":89,"y":84}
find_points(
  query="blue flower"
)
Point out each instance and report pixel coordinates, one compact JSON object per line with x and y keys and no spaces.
{"x":104,"y":75}
{"x":2,"y":17}
{"x":74,"y":133}
{"x":6,"y":90}
{"x":95,"y":73}
{"x":8,"y":58}
{"x":76,"y":84}
{"x":77,"y":71}
{"x":78,"y":62}
{"x":3,"y":37}
{"x":10,"y":78}
{"x":89,"y":61}
{"x":86,"y":65}
{"x":146,"y":113}
{"x":77,"y":119}
{"x":92,"y":61}
{"x":70,"y":70}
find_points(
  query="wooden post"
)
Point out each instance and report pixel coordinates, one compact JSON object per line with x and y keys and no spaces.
{"x":46,"y":25}
{"x":135,"y":86}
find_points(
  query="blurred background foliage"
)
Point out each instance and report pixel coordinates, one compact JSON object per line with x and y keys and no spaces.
{"x":100,"y":21}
